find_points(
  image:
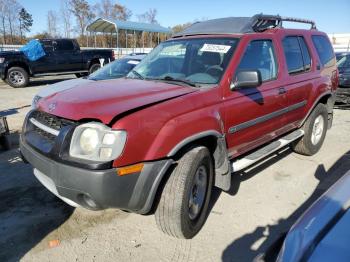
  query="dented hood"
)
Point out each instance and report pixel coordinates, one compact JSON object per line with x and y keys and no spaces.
{"x":104,"y":100}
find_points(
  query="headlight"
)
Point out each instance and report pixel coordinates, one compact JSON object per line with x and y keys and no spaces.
{"x":97,"y":142}
{"x":2,"y":59}
{"x":35,"y":101}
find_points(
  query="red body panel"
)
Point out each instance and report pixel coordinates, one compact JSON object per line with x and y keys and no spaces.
{"x":160,"y":126}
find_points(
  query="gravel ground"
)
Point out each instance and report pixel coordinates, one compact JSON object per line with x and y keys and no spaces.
{"x":262,"y":203}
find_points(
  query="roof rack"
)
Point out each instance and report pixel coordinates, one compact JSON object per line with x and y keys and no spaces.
{"x":262,"y":22}
{"x":239,"y":25}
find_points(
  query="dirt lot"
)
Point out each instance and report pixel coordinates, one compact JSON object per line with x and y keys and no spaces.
{"x":262,"y":203}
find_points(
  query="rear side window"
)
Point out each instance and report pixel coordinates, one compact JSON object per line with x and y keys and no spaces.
{"x":260,"y":55}
{"x":297,"y":54}
{"x":64,"y":45}
{"x":305,"y":52}
{"x":324,"y":50}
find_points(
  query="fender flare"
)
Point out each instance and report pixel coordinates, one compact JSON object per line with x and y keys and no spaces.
{"x":328,"y":93}
{"x":220,"y":156}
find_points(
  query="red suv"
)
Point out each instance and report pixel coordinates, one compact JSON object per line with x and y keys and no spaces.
{"x":211,"y":101}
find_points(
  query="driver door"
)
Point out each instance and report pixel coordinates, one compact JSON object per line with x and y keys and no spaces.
{"x":254,"y":115}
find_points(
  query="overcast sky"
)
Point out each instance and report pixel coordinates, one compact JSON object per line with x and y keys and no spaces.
{"x":330,"y":16}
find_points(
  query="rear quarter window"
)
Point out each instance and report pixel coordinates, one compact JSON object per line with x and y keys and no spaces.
{"x":324,"y":50}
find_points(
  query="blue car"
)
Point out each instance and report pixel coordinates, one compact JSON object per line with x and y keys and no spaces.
{"x":322,"y":233}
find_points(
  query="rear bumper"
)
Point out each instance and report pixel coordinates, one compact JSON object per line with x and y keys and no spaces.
{"x":98,"y":189}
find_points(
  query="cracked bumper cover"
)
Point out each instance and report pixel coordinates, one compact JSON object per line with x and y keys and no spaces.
{"x":74,"y":185}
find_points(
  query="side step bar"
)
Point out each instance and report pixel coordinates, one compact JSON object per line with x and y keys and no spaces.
{"x":239,"y":164}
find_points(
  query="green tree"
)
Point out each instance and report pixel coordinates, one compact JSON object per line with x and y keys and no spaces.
{"x":25,"y":21}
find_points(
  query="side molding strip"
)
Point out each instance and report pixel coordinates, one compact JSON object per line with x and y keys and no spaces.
{"x":267,"y":117}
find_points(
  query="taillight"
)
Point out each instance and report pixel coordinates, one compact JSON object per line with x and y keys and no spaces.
{"x":113,"y":54}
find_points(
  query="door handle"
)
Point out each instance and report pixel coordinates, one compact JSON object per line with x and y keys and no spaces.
{"x":282,"y":91}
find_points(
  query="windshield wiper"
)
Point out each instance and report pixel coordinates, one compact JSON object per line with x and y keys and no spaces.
{"x":170,"y":78}
{"x":137,"y":74}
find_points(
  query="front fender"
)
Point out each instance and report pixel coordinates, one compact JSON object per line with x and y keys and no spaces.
{"x":184,"y":129}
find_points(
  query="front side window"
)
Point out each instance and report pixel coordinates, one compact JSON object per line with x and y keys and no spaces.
{"x":190,"y":61}
{"x":324,"y":50}
{"x":260,"y":55}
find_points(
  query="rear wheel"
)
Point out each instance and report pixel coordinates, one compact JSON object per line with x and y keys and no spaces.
{"x":315,"y":128}
{"x":183,"y":205}
{"x":17,"y":77}
{"x":94,"y":67}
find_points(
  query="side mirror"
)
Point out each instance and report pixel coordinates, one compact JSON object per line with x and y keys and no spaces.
{"x":246,"y":79}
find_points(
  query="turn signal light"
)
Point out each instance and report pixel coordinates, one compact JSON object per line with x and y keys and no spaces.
{"x":130,"y":169}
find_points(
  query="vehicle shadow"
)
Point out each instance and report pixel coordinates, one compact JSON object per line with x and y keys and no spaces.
{"x":28,"y":211}
{"x":47,"y":81}
{"x":239,"y":177}
{"x":241,"y":249}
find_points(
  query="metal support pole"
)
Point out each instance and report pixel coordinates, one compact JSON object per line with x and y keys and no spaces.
{"x":118,"y":39}
{"x":134,"y":41}
{"x":126,"y":38}
{"x":158,"y":38}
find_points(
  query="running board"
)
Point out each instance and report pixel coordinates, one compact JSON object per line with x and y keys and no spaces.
{"x":254,"y":157}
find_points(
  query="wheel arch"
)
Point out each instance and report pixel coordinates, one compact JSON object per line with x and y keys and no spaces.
{"x":216,"y":143}
{"x":328,"y":99}
{"x":21,"y":64}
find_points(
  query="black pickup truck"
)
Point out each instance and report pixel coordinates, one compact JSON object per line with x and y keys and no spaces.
{"x":62,"y":56}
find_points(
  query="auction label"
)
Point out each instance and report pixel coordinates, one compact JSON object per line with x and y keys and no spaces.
{"x":215,"y":48}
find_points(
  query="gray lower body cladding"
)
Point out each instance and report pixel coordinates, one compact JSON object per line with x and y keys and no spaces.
{"x":98,"y":189}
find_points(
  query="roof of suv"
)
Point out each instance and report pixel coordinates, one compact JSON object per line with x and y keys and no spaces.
{"x":240,"y":25}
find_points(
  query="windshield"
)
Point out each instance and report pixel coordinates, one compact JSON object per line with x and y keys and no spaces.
{"x":116,"y":69}
{"x":344,"y":61}
{"x":190,"y":61}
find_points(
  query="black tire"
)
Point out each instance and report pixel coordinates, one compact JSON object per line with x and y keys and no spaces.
{"x":173,"y":215}
{"x":17,"y":77}
{"x":5,"y":142}
{"x":94,"y":67}
{"x":306,"y":146}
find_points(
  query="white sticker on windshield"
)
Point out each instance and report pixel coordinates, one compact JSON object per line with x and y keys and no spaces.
{"x":215,"y":48}
{"x":133,"y":62}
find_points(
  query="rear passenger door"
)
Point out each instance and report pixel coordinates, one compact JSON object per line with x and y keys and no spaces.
{"x":299,"y":77}
{"x":253,"y":116}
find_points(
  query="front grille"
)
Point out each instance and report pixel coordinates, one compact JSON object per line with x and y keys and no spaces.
{"x":42,"y":129}
{"x":50,"y":120}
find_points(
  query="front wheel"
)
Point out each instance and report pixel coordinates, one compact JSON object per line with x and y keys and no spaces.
{"x":183,"y":205}
{"x":17,"y":77}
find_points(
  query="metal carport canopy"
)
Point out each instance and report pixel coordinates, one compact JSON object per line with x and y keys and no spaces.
{"x":104,"y":26}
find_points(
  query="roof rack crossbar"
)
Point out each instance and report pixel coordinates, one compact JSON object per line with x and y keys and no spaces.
{"x":263,"y":22}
